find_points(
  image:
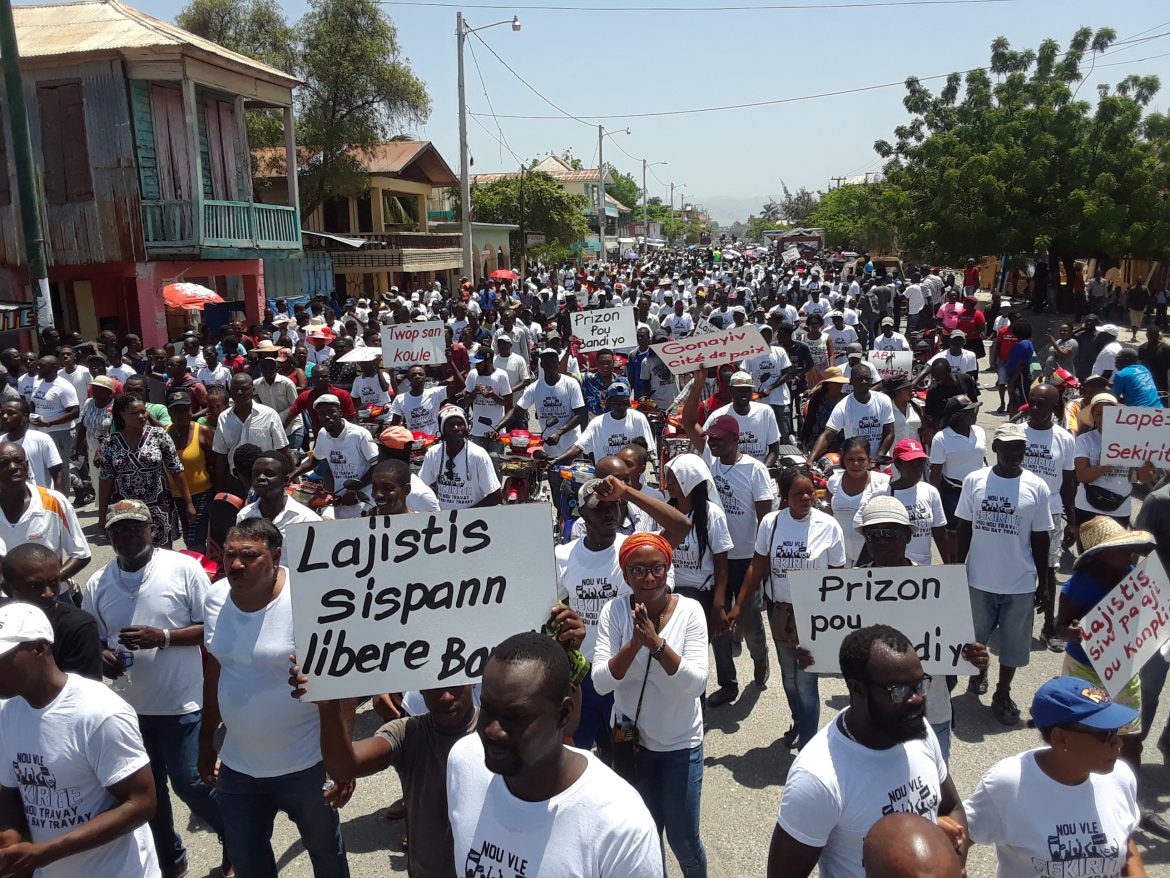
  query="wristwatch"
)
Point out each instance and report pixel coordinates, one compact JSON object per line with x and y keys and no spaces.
{"x":661,"y":647}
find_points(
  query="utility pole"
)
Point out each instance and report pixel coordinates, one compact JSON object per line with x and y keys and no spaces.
{"x":523,"y":236}
{"x":837,"y":180}
{"x":464,"y":155}
{"x":600,"y":194}
{"x":645,"y":210}
{"x":30,"y":209}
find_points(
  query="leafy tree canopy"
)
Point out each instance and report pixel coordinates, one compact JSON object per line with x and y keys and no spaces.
{"x":548,"y":209}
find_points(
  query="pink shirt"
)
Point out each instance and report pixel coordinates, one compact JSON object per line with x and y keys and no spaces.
{"x":949,"y":314}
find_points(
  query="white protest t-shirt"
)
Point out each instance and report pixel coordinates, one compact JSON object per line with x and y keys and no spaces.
{"x":421,"y":498}
{"x":350,"y":455}
{"x":964,"y":362}
{"x":420,"y":413}
{"x":485,"y":414}
{"x":51,"y":398}
{"x":1004,"y":513}
{"x":1088,"y":446}
{"x":842,"y":337}
{"x":367,"y":391}
{"x":461,"y":481}
{"x":554,"y":406}
{"x":838,"y":789}
{"x":850,"y":418}
{"x":766,"y":368}
{"x":63,"y":758}
{"x":168,"y":592}
{"x":959,"y":455}
{"x":1043,"y":828}
{"x":269,"y":733}
{"x":1051,"y":454}
{"x":845,"y":507}
{"x":597,"y":828}
{"x":606,"y":435}
{"x":815,"y":543}
{"x":692,"y":571}
{"x":42,"y":455}
{"x":292,"y":513}
{"x":924,"y":506}
{"x":740,"y":486}
{"x":757,"y":429}
{"x":894,"y":342}
{"x":587,"y":581}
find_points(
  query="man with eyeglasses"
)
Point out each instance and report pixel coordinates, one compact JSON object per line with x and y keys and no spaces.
{"x":876,"y":757}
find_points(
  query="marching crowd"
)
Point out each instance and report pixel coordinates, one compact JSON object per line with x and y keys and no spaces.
{"x":580,"y":750}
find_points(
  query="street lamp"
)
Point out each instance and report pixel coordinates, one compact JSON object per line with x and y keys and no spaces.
{"x":461,"y":32}
{"x":601,"y":135}
{"x":645,"y":202}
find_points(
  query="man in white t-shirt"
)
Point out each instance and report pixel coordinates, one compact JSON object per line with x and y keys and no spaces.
{"x":44,"y":461}
{"x":270,"y":478}
{"x":488,"y":393}
{"x":876,"y":757}
{"x":961,"y":359}
{"x":560,"y":405}
{"x":888,"y":340}
{"x":418,"y":408}
{"x":841,"y":335}
{"x":149,"y":602}
{"x":915,"y":303}
{"x":527,"y":803}
{"x":70,"y":753}
{"x":519,"y":375}
{"x":1051,"y":454}
{"x":350,"y":452}
{"x":611,"y":431}
{"x":772,"y":372}
{"x":678,"y":324}
{"x":864,"y":412}
{"x":461,"y":474}
{"x":55,"y":405}
{"x":270,"y":759}
{"x":1106,"y":363}
{"x":1005,"y":518}
{"x":759,"y":432}
{"x":245,"y":422}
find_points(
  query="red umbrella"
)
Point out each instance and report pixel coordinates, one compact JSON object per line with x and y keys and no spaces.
{"x":503,"y":274}
{"x":190,"y":296}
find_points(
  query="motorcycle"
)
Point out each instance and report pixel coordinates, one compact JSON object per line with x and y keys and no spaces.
{"x":520,"y":466}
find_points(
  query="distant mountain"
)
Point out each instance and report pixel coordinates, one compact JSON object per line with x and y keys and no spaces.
{"x":727,"y":209}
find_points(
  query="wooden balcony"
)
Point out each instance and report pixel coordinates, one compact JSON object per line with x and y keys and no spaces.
{"x":169,"y":227}
{"x":401,"y":251}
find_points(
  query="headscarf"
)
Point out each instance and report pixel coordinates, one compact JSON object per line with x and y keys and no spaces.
{"x":642,"y":538}
{"x":690,"y":470}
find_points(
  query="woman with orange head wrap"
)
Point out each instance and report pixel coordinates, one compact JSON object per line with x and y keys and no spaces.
{"x":652,"y":654}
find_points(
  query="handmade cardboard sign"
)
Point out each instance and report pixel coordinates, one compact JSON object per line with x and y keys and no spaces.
{"x":401,"y":602}
{"x":685,"y":355}
{"x":414,"y":344}
{"x":613,"y":328}
{"x":1130,"y":436}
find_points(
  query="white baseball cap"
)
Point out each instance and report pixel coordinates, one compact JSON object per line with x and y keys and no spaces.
{"x":22,"y":623}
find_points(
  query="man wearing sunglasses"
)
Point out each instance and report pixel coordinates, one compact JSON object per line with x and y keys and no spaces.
{"x":876,"y":757}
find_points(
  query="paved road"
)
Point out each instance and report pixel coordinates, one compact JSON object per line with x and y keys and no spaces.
{"x":745,"y":769}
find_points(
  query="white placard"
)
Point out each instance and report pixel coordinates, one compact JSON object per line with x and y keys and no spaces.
{"x":364,"y":354}
{"x":790,"y":255}
{"x":414,"y":344}
{"x":727,"y":346}
{"x":930,"y":605}
{"x":1128,"y":625}
{"x":401,"y":602}
{"x":1131,"y":435}
{"x":613,"y":328}
{"x":888,"y":364}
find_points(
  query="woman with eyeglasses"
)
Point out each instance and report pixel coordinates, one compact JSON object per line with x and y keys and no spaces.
{"x":652,"y":654}
{"x":1069,"y":807}
{"x":797,"y":537}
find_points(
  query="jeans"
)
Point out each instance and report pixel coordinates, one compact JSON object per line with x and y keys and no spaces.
{"x":63,"y":439}
{"x":172,"y":743}
{"x":596,"y":717}
{"x":942,"y":731}
{"x":195,"y":531}
{"x":671,"y":785}
{"x":913,"y":321}
{"x":802,"y":691}
{"x":784,"y":422}
{"x":249,"y":807}
{"x":750,"y":623}
{"x":1153,"y":676}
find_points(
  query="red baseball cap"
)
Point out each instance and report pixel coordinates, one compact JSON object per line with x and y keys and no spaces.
{"x":724,"y":425}
{"x":909,"y":449}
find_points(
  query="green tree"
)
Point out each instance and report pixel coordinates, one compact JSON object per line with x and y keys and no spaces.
{"x":548,"y":209}
{"x":793,"y":208}
{"x":854,"y":218}
{"x":625,"y":189}
{"x":1019,"y":164}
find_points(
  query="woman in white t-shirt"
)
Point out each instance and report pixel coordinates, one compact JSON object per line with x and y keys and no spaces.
{"x":852,"y":486}
{"x":957,"y":451}
{"x":700,"y":560}
{"x":652,"y":654}
{"x":1101,"y":489}
{"x":1069,"y":807}
{"x":797,"y":537}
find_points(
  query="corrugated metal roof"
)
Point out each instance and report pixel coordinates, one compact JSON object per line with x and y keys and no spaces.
{"x":388,"y":159}
{"x":102,"y":26}
{"x":584,"y":175}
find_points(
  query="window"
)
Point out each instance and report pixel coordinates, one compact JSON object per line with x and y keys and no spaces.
{"x":63,"y":143}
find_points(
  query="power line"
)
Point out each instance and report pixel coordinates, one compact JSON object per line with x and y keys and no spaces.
{"x":791,"y":7}
{"x":487,"y":97}
{"x":767,"y":103}
{"x":527,"y":84}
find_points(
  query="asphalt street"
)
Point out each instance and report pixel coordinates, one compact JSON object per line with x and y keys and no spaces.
{"x":746,"y":764}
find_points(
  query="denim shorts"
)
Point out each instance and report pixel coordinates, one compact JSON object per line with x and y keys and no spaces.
{"x":1012,"y":614}
{"x":1001,"y":373}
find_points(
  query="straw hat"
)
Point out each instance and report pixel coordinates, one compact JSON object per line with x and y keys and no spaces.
{"x":1101,"y":533}
{"x":832,"y":375}
{"x":1085,"y":415}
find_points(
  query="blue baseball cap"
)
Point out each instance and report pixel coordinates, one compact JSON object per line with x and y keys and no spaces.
{"x":1066,"y":700}
{"x":617,"y":389}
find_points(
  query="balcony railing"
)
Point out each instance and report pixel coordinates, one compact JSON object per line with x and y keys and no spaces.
{"x":242,"y":225}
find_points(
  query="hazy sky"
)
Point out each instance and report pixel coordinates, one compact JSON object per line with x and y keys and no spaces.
{"x":606,"y":63}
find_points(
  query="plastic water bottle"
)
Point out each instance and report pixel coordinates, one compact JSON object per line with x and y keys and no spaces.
{"x":126,"y":660}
